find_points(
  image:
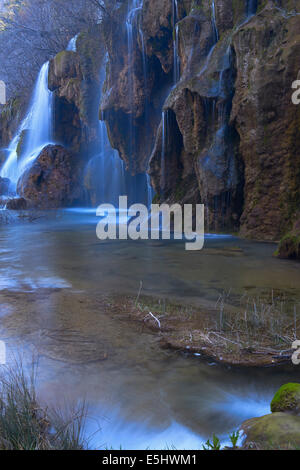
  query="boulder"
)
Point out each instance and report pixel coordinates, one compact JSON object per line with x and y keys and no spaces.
{"x":287,"y":398}
{"x":16,"y":204}
{"x":277,"y":431}
{"x":51,"y":181}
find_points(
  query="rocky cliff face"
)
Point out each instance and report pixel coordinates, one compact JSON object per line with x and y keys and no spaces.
{"x":268,"y":123}
{"x":229,"y":133}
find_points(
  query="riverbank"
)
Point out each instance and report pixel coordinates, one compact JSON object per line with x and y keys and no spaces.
{"x":26,"y":424}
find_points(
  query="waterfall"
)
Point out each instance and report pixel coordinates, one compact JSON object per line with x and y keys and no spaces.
{"x":214,"y":21}
{"x":105,"y":171}
{"x":176,"y":55}
{"x":38,"y":125}
{"x":176,"y":59}
{"x":215,"y":38}
{"x":222,"y":114}
{"x":251,"y":7}
{"x":134,"y":8}
{"x":163,"y":151}
{"x":219,"y":159}
{"x":150,"y":191}
{"x":145,"y":72}
{"x":72,"y":44}
{"x":105,"y":175}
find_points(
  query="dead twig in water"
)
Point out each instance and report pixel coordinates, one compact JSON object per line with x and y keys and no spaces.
{"x":155,"y":318}
{"x":139,"y":293}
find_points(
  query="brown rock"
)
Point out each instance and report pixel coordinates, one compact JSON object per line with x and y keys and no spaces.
{"x":289,"y":245}
{"x":52,"y":180}
{"x":267,"y":61}
{"x":16,"y":204}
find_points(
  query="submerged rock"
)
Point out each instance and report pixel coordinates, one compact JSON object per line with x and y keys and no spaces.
{"x":51,"y":181}
{"x":287,"y":398}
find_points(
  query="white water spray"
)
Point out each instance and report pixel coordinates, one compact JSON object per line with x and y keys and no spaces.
{"x":72,"y":44}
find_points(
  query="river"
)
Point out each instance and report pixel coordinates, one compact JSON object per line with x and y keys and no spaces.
{"x":54,"y":273}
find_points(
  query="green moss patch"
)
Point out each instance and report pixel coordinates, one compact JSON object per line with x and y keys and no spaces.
{"x":287,"y":398}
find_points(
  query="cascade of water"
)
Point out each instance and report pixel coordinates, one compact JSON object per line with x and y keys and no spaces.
{"x":219,"y":156}
{"x":176,"y":59}
{"x":214,"y":21}
{"x":72,"y":44}
{"x":38,"y":123}
{"x":134,"y":8}
{"x":216,"y":37}
{"x":150,"y":191}
{"x":251,"y":7}
{"x":163,"y":151}
{"x":105,"y":171}
{"x":176,"y":55}
{"x":145,"y":72}
{"x":222,"y":115}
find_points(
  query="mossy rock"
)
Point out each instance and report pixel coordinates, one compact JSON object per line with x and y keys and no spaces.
{"x":277,"y":431}
{"x":289,"y":245}
{"x":287,"y":398}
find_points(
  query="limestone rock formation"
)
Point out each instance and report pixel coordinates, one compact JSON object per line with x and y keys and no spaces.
{"x":268,"y":123}
{"x":74,"y":79}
